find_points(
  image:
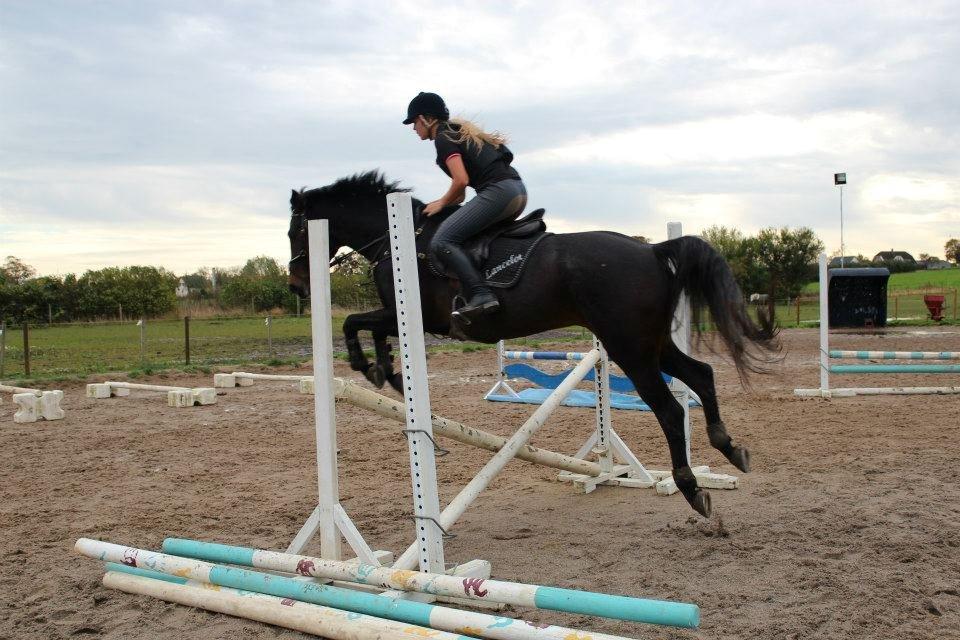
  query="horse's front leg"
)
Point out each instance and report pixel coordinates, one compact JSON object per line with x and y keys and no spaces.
{"x":385,"y":361}
{"x":380,"y":323}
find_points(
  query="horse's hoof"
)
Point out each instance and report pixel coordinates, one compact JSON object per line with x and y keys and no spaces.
{"x":396,"y":381}
{"x":740,"y":458}
{"x":375,"y":376}
{"x":701,"y":503}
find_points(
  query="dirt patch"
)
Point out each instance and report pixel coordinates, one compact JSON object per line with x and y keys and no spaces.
{"x":848,"y":527}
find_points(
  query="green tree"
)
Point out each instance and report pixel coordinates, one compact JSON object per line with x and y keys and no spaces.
{"x":739,"y":251}
{"x":15,"y":271}
{"x":786,"y":256}
{"x":261,"y":283}
{"x":142,"y":291}
{"x":952,"y":249}
{"x":263,"y":267}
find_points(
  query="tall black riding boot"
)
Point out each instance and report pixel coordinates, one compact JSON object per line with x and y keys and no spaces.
{"x":480,"y":299}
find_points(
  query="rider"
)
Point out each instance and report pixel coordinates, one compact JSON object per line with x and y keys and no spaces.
{"x":470,"y":157}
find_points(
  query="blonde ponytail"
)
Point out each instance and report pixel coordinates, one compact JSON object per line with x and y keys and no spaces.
{"x":472,"y":134}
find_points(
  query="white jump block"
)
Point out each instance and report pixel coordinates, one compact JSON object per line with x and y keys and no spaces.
{"x":306,"y":386}
{"x":705,"y":480}
{"x":192,"y":397}
{"x":32,"y":406}
{"x":105,"y":390}
{"x":224,"y":380}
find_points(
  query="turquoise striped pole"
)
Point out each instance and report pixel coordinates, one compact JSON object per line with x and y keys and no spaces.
{"x":895,"y":368}
{"x":426,"y":615}
{"x":896,"y":355}
{"x":283,"y":612}
{"x":677,"y":614}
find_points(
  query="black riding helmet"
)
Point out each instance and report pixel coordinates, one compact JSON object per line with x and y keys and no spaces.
{"x":427,"y":104}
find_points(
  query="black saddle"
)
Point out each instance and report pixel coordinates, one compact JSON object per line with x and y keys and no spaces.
{"x":529,"y":225}
{"x":500,"y":252}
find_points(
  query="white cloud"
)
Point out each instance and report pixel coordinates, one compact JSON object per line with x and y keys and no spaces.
{"x":168,"y":133}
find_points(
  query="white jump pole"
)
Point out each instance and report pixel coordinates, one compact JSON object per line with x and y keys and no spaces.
{"x":329,"y":517}
{"x":244,"y":379}
{"x":824,"y":276}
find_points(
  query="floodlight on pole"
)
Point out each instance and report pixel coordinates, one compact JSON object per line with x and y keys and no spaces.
{"x":840,"y":179}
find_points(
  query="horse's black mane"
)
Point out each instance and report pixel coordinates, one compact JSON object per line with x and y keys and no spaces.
{"x":365,"y":183}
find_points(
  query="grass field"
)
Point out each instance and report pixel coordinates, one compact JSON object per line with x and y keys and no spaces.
{"x":943,"y":279}
{"x":83,"y":349}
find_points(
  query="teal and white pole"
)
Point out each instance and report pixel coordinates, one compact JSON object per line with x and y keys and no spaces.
{"x":676,"y":614}
{"x":480,"y":625}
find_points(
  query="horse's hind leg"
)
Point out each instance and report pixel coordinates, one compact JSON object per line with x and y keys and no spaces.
{"x":699,"y":377}
{"x":655,"y":392}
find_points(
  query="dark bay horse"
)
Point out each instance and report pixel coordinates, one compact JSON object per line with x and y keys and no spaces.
{"x":623,"y":291}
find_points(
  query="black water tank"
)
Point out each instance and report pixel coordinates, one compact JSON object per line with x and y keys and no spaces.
{"x":858,"y":297}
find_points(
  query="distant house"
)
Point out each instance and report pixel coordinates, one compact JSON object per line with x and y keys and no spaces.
{"x":936,"y":265}
{"x":894,"y":256}
{"x":848,"y":261}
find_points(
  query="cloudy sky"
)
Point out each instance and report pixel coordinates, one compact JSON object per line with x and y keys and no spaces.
{"x":170,"y":133}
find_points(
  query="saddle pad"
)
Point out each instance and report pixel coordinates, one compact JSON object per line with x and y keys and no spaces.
{"x":506,"y":260}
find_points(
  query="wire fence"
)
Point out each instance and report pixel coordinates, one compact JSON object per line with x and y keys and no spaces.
{"x":902,"y":306}
{"x":53,"y":350}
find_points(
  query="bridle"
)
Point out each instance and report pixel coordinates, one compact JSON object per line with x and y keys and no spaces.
{"x":338,"y":260}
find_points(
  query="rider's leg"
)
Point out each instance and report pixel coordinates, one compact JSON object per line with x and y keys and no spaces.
{"x":496,"y":202}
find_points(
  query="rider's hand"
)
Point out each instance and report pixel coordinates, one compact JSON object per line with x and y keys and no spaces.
{"x":432,"y":208}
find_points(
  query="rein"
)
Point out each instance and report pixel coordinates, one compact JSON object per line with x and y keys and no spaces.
{"x":338,"y":260}
{"x":342,"y":258}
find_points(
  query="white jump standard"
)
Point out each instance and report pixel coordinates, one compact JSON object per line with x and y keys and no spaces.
{"x":404,"y":603}
{"x":330,"y":519}
{"x":826,"y":368}
{"x":34,"y":404}
{"x":176,"y":396}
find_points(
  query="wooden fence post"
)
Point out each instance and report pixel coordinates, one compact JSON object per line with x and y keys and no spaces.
{"x":26,"y":349}
{"x":186,"y":337}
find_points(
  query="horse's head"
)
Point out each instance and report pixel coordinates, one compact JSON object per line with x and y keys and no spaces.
{"x":356,"y":208}
{"x":299,"y":278}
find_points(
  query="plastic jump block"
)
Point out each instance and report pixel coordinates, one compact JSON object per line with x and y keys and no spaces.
{"x":896,"y":355}
{"x":40,"y":405}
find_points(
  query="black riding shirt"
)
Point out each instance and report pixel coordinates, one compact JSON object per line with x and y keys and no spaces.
{"x":485,"y":165}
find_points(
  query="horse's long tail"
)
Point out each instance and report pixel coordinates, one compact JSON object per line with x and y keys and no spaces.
{"x":702,"y":273}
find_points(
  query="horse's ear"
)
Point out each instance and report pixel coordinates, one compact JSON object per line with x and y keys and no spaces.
{"x":295,"y":197}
